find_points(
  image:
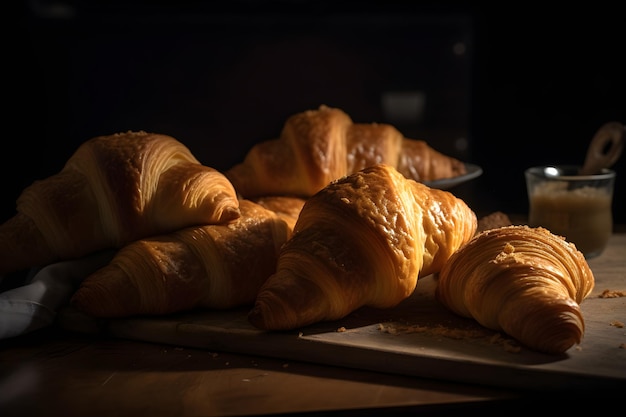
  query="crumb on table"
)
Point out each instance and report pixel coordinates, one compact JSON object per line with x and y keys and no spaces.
{"x":612,"y":294}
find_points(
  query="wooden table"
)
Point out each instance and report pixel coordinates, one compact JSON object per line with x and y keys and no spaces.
{"x":55,"y":372}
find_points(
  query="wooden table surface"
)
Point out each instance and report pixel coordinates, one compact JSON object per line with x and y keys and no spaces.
{"x":55,"y":372}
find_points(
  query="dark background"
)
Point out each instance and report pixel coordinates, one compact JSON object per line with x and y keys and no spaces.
{"x":506,"y":87}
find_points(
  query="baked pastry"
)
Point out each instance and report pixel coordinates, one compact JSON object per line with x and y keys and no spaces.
{"x":318,"y":146}
{"x":113,"y":190}
{"x":523,"y":281}
{"x":363,"y":240}
{"x":210,"y":266}
{"x":288,"y":208}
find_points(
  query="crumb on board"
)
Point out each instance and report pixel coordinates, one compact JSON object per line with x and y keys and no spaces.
{"x":617,"y":323}
{"x":341,"y":329}
{"x":508,"y":344}
{"x":612,"y":294}
{"x":439,"y":330}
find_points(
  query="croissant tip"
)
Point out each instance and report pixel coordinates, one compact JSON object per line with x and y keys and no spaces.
{"x":230,"y":214}
{"x":107,"y":293}
{"x":255,"y":318}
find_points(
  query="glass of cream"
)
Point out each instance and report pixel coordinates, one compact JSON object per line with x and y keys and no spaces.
{"x":577,"y":207}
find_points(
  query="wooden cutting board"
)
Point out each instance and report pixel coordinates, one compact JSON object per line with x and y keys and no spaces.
{"x":417,"y":338}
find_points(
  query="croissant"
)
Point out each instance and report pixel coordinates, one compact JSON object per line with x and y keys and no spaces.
{"x":209,"y":266}
{"x":525,"y":282}
{"x":113,"y":190}
{"x":363,"y":240}
{"x":318,"y":146}
{"x":287,"y":207}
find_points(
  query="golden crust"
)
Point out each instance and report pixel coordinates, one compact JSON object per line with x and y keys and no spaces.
{"x":285,"y":206}
{"x":113,"y":190}
{"x":524,"y":281}
{"x":208,"y":266}
{"x":316,"y":147}
{"x":361,"y":241}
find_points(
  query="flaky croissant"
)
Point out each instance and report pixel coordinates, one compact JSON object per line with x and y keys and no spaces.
{"x":210,"y":266}
{"x":318,"y":146}
{"x":287,"y":207}
{"x":363,"y":240}
{"x":113,"y":190}
{"x":526,"y":282}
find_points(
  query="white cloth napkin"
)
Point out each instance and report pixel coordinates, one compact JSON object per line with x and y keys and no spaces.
{"x":34,"y":303}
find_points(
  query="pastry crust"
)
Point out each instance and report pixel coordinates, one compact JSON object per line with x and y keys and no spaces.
{"x":361,"y":241}
{"x":113,"y":190}
{"x":209,"y":266}
{"x":288,"y":208}
{"x":526,"y":282}
{"x":316,"y":147}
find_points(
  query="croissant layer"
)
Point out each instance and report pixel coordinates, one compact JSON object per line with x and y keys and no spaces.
{"x":363,"y":240}
{"x":210,"y":266}
{"x":316,"y":147}
{"x":113,"y":190}
{"x":526,"y":282}
{"x":286,"y":207}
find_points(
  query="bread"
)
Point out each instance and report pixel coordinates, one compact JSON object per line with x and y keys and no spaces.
{"x":318,"y":146}
{"x":113,"y":190}
{"x":523,"y":281}
{"x":210,"y":267}
{"x":363,"y":240}
{"x":288,"y":208}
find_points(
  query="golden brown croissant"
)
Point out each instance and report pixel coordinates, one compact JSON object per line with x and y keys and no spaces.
{"x":287,"y":207}
{"x":318,"y":146}
{"x":361,"y":241}
{"x":113,"y":190}
{"x":210,"y":266}
{"x":526,"y":282}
